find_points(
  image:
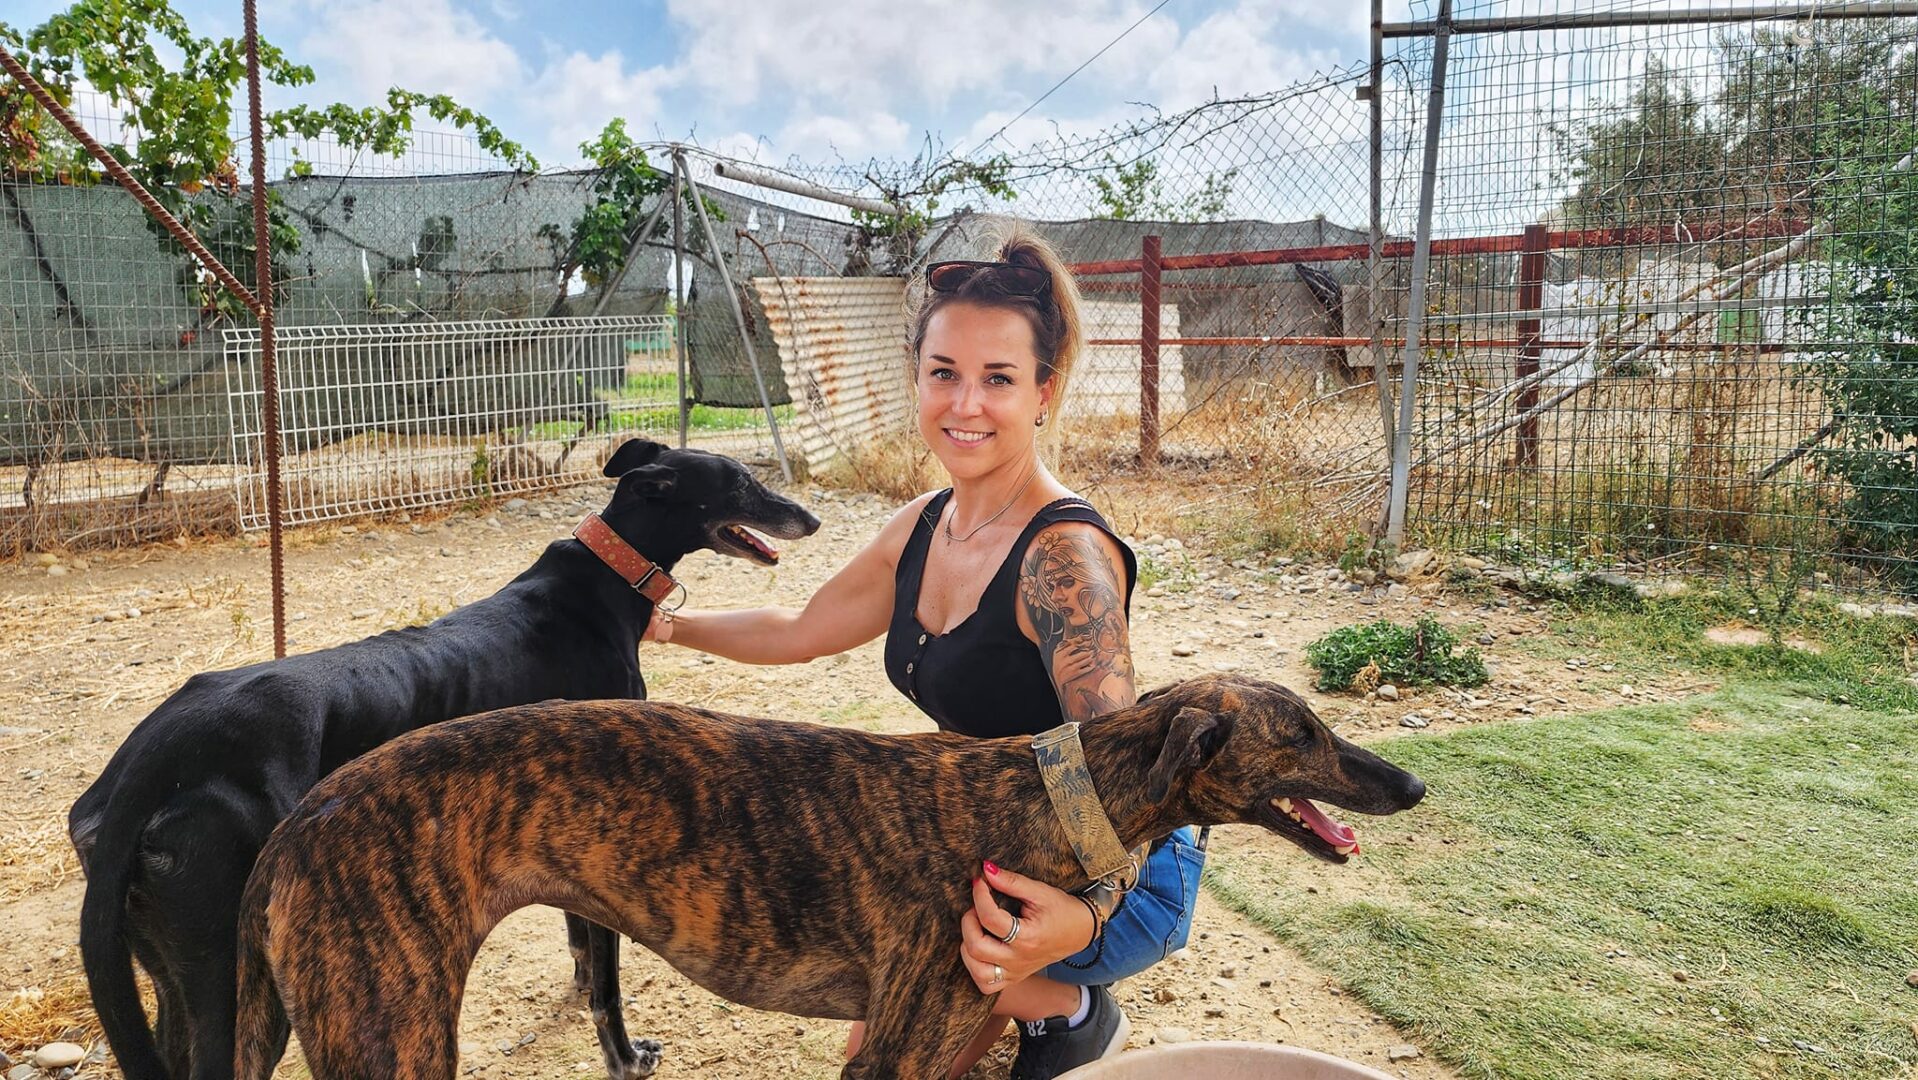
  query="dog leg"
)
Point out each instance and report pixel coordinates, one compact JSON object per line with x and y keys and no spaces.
{"x":920,"y":1023}
{"x":625,"y":1059}
{"x":577,"y":943}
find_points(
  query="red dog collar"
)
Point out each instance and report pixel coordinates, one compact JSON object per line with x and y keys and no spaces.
{"x":640,"y":572}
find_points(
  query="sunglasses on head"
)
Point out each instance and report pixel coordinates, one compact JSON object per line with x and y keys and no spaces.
{"x":1014,"y":279}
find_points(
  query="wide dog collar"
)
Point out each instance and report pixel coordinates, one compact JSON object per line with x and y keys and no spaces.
{"x":644,"y":575}
{"x":1062,"y":765}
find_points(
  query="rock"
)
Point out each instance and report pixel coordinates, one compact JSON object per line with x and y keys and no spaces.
{"x":56,"y":570}
{"x":1228,"y":972}
{"x":1488,"y":638}
{"x":1172,"y":1035}
{"x":79,"y":564}
{"x":1911,"y":979}
{"x":1388,"y":692}
{"x":469,"y":1048}
{"x":1402,"y":1052}
{"x":1215,"y":1012}
{"x":1470,"y":563}
{"x":45,"y":558}
{"x":404,"y":519}
{"x":1414,"y":720}
{"x":59,"y":1055}
{"x":363,"y":613}
{"x":515,"y":505}
{"x":1165,"y":995}
{"x":1856,"y":611}
{"x":22,"y":1072}
{"x":1156,"y":590}
{"x":1183,"y":649}
{"x":1412,"y":564}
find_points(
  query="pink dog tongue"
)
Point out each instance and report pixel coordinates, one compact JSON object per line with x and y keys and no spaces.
{"x":1332,"y":832}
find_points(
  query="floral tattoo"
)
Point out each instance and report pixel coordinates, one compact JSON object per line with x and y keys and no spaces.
{"x":1071,"y":592}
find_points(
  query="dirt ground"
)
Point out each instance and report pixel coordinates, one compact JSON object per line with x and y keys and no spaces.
{"x":93,"y":644}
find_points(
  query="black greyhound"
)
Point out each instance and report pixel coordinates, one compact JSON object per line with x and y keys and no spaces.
{"x":170,"y":830}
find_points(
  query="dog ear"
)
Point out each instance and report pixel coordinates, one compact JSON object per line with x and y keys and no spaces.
{"x":1195,"y":736}
{"x":647,"y":482}
{"x":632,"y":454}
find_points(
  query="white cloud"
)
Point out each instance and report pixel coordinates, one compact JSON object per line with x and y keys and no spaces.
{"x":363,"y":47}
{"x":575,"y":94}
{"x":870,"y":52}
{"x":1237,"y":52}
{"x":854,"y":136}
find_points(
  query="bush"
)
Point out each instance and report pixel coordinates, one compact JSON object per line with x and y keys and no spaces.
{"x":1385,"y":652}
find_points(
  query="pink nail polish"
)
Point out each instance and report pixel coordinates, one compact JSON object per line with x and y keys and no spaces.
{"x":991,"y":869}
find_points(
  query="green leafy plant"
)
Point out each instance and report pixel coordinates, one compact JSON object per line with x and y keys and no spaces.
{"x":625,"y":186}
{"x":1386,"y":652}
{"x":894,"y":238}
{"x":175,"y":91}
{"x":1135,"y":191}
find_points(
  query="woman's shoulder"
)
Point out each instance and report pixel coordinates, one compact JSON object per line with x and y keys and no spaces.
{"x":897,"y":531}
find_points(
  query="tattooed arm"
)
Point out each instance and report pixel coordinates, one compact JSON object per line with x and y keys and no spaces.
{"x":1072,"y":604}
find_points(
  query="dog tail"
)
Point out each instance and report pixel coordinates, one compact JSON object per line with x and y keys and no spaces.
{"x":260,"y":1030}
{"x":104,"y":950}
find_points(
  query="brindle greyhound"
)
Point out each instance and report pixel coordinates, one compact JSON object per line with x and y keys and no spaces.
{"x":784,"y":866}
{"x":169,"y":831}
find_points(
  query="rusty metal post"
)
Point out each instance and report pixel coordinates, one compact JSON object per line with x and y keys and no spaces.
{"x":269,"y":369}
{"x":1149,"y":352}
{"x":1531,"y":296}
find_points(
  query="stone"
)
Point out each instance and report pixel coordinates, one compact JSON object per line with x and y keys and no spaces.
{"x":1388,"y":692}
{"x":1173,"y":1035}
{"x":1412,"y":564}
{"x":1911,"y":979}
{"x":56,"y":570}
{"x":468,"y":1048}
{"x":1165,"y":995}
{"x":1488,"y":638}
{"x":22,"y":1072}
{"x":1414,"y":720}
{"x":1402,"y":1052}
{"x":59,"y":1055}
{"x":515,"y":505}
{"x":363,"y":613}
{"x":1156,"y":590}
{"x":1183,"y":649}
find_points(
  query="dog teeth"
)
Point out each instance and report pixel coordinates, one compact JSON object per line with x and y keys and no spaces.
{"x":1346,"y":849}
{"x":1285,"y":806}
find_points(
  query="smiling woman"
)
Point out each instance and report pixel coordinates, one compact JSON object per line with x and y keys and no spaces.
{"x":1004,"y":604}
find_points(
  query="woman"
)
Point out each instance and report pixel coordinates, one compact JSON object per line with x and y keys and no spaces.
{"x":1003,"y":600}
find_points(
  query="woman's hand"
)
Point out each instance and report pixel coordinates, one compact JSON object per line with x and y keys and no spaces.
{"x":1052,"y":926}
{"x":659,"y":628}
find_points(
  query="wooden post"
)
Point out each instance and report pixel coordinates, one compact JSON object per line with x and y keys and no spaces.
{"x":1149,"y":352}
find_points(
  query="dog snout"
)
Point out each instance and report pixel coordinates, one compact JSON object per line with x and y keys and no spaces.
{"x":1414,"y":792}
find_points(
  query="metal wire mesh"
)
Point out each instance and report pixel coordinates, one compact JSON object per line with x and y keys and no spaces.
{"x":1698,"y":359}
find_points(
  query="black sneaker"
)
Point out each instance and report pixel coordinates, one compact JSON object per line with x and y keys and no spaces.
{"x":1048,"y":1048}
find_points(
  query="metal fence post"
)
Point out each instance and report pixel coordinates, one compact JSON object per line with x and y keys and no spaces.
{"x":1149,"y":351}
{"x":681,"y":338}
{"x":1421,"y":262}
{"x":1375,"y":247}
{"x":1531,"y":296}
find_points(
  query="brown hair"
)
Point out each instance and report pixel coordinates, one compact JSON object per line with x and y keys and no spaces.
{"x":1057,"y":338}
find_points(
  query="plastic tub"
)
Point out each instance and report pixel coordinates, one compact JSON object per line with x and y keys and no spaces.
{"x":1225,"y":1061}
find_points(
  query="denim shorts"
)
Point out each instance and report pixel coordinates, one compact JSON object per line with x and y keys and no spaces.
{"x":1153,"y":920}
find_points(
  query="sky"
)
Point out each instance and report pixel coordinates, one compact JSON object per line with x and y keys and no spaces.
{"x":823,"y":80}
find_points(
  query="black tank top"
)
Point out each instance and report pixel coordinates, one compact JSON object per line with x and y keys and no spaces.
{"x":983,"y":677}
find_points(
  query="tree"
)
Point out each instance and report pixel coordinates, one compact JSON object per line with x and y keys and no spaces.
{"x":916,"y":190}
{"x":1135,"y":192}
{"x":181,"y":118}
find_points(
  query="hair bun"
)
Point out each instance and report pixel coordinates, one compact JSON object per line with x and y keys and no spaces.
{"x":1019,"y":253}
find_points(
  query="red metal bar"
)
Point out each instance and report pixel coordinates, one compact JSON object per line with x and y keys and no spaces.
{"x":1468,"y":245}
{"x":1531,"y":293}
{"x":126,"y":180}
{"x":1327,"y":341}
{"x":1149,"y":351}
{"x":269,"y":365}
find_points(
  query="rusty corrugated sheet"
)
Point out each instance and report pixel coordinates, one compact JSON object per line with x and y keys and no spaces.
{"x":842,"y":346}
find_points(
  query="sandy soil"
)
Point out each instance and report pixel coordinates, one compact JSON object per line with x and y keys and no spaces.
{"x":82,"y":668}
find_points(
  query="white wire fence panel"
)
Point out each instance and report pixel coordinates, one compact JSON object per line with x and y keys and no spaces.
{"x":378,"y":418}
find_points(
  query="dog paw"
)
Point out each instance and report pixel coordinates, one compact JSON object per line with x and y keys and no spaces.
{"x":646,"y":1055}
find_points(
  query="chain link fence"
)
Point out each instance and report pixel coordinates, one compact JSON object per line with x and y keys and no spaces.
{"x":1666,"y":318}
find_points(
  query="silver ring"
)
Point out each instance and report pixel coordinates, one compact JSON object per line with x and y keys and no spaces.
{"x":1012,"y":933}
{"x":998,"y":974}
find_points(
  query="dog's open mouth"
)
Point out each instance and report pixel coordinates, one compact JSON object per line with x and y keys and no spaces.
{"x":749,"y":545}
{"x":1307,"y":826}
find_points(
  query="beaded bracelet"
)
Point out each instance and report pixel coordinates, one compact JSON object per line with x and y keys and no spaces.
{"x":1098,"y":937}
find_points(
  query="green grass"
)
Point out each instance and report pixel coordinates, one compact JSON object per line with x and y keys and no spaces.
{"x":1387,"y":652}
{"x":1860,"y":661}
{"x":1638,"y":893}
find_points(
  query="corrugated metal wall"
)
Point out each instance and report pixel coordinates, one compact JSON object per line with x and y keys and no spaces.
{"x":842,"y":347}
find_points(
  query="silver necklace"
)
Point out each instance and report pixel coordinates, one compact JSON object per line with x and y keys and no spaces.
{"x":946,"y":526}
